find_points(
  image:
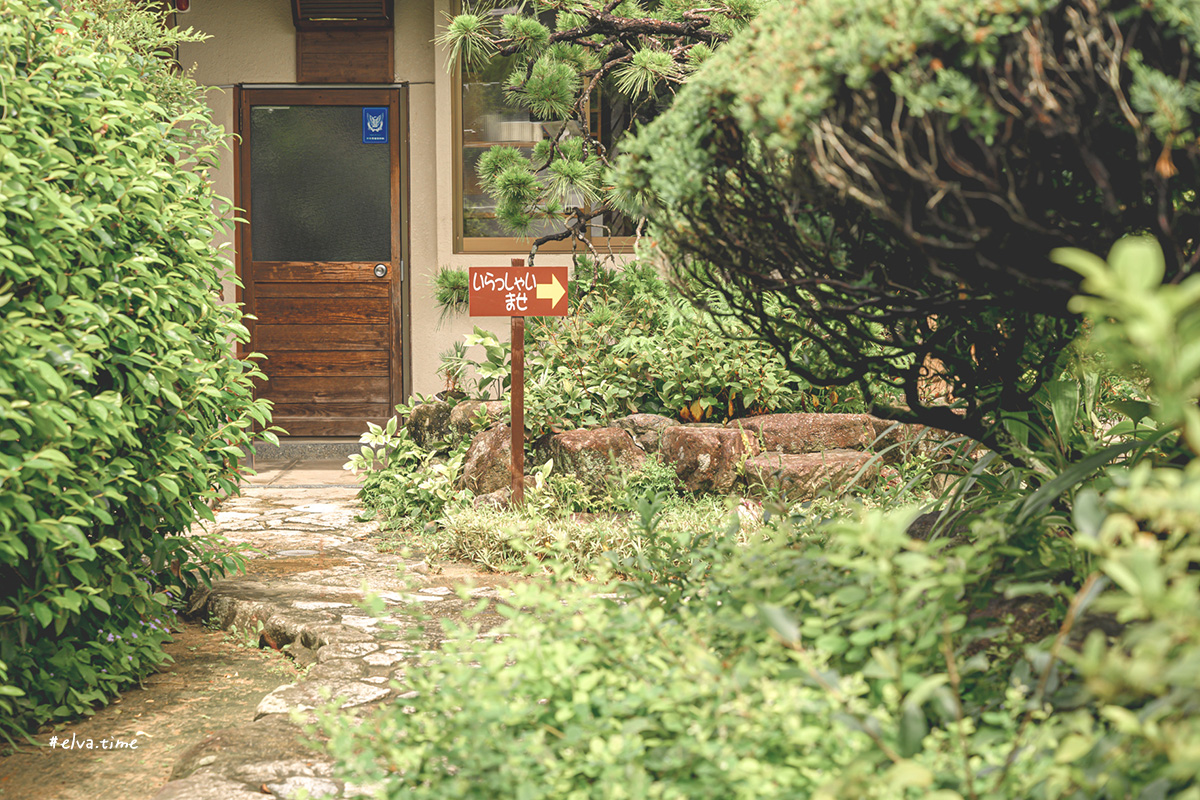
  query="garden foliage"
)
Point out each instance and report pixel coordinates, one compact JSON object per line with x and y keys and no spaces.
{"x":121,"y":408}
{"x":1031,"y":653}
{"x":897,"y":173}
{"x":403,"y":482}
{"x":631,"y":344}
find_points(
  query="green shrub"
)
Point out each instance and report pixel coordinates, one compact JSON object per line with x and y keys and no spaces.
{"x":404,"y":482}
{"x":897,"y":172}
{"x":857,"y":663}
{"x":450,"y":291}
{"x":121,"y":408}
{"x":594,"y":698}
{"x":1045,"y":647}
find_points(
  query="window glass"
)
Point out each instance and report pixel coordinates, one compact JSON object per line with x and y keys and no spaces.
{"x":317,"y":192}
{"x":488,"y":119}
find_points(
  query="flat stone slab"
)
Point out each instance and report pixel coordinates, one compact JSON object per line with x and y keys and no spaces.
{"x":802,"y":476}
{"x":207,"y":787}
{"x":320,"y":558}
{"x":310,"y":694}
{"x":346,"y":650}
{"x":272,"y":771}
{"x":319,"y":605}
{"x":386,"y":659}
{"x":795,"y":434}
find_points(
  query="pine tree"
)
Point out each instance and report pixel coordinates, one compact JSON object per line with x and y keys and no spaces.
{"x":562,"y":57}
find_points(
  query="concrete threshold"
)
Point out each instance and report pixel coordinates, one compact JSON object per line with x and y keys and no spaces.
{"x":291,"y":448}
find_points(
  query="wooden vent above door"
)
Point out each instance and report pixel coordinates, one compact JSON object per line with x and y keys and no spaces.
{"x":344,"y":41}
{"x":326,"y":14}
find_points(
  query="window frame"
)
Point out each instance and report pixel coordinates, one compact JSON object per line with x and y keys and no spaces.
{"x":612,"y":245}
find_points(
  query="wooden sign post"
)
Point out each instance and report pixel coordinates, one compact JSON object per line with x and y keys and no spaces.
{"x":518,"y":292}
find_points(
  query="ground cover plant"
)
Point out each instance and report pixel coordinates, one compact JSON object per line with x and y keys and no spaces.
{"x":121,"y":408}
{"x":1043,"y":647}
{"x":405,"y":484}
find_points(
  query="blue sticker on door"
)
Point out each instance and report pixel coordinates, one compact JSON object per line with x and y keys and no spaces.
{"x":375,"y":125}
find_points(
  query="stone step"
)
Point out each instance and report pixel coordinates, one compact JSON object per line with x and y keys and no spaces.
{"x":804,"y":476}
{"x":297,"y":448}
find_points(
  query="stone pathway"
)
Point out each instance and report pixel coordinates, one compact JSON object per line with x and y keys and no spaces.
{"x":299,"y":593}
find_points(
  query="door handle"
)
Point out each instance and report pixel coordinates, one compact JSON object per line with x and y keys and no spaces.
{"x":380,"y":270}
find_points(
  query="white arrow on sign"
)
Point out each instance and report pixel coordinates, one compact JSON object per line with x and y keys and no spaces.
{"x":552,"y":291}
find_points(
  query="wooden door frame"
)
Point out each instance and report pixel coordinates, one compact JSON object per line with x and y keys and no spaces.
{"x":395,"y":97}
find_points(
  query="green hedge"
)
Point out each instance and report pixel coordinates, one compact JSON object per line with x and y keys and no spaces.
{"x":121,"y":410}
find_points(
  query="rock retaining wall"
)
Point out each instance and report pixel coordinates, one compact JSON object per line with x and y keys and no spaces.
{"x":799,"y":455}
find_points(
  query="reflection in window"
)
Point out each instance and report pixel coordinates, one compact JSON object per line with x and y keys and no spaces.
{"x":489,"y":119}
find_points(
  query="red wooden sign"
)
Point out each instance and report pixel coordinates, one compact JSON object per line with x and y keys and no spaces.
{"x":518,"y":291}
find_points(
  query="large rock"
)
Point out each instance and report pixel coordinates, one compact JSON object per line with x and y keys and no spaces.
{"x":905,"y":440}
{"x":595,"y":455}
{"x":502,"y":498}
{"x":646,"y":429}
{"x":809,"y":433}
{"x":802,"y":476}
{"x":462,"y":416}
{"x":488,"y":463}
{"x":429,"y":424}
{"x":896,"y":441}
{"x":706,"y":459}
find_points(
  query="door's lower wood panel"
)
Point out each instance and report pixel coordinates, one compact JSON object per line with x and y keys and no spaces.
{"x":325,"y":411}
{"x":299,"y":363}
{"x":326,"y":390}
{"x":322,"y":311}
{"x":333,"y":426}
{"x":321,"y":337}
{"x":332,"y":290}
{"x":316,"y":271}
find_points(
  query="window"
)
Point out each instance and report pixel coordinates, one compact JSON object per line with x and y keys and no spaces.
{"x":485,"y":119}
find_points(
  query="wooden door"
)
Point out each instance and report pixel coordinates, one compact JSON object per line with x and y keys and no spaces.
{"x":321,"y":253}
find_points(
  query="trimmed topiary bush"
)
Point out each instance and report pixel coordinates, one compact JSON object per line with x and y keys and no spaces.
{"x":898,"y":171}
{"x":121,"y":408}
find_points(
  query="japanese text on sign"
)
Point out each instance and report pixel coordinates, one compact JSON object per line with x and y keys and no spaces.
{"x":515,"y":286}
{"x":518,"y":291}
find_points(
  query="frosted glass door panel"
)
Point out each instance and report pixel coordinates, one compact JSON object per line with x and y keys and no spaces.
{"x":317,"y":193}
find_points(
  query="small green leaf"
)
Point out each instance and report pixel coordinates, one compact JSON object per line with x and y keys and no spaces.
{"x":43,"y":614}
{"x":781,"y":622}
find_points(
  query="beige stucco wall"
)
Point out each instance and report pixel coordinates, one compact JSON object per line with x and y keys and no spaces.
{"x":222,"y":107}
{"x":253,"y":42}
{"x":250,"y":41}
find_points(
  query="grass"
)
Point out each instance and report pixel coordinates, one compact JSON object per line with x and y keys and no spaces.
{"x":511,"y":540}
{"x":505,"y":540}
{"x":565,"y":521}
